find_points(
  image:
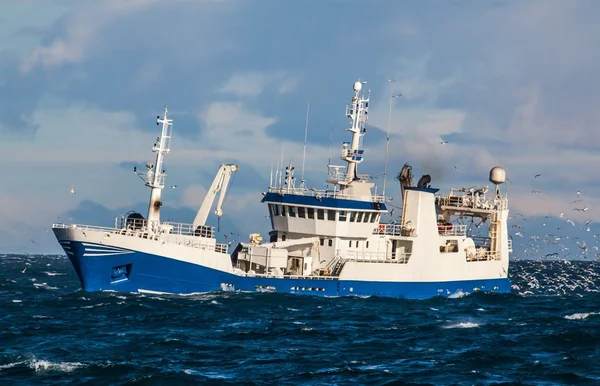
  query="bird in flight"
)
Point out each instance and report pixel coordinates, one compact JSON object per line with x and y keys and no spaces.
{"x":581,"y":209}
{"x":535,"y":191}
{"x":72,"y":189}
{"x":173,"y":186}
{"x":537,"y":175}
{"x":442,"y":142}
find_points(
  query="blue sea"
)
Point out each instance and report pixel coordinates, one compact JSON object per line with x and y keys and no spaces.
{"x":546,"y":332}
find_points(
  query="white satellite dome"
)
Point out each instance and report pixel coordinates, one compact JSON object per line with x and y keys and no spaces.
{"x":357,"y":86}
{"x":497,"y":175}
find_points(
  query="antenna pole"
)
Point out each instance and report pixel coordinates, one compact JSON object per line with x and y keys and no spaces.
{"x":387,"y":139}
{"x":305,"y":136}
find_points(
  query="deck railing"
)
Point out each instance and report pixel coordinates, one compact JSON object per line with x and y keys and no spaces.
{"x":175,"y":233}
{"x":377,"y":257}
{"x":452,"y":230}
{"x":323,"y":194}
{"x":471,"y":199}
{"x":395,"y":230}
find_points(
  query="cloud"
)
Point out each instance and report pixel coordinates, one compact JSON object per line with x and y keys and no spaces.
{"x":193,"y":196}
{"x":506,"y":83}
{"x":252,"y":84}
{"x":83,"y":27}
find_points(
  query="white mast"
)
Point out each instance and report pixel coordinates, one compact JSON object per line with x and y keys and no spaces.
{"x":155,"y":176}
{"x":357,"y":112}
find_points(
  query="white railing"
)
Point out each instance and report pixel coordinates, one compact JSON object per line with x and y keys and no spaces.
{"x":452,"y":230}
{"x":472,"y":199}
{"x":482,"y":254}
{"x":188,"y":230}
{"x":377,"y":257}
{"x":395,"y":230}
{"x":341,"y":176}
{"x":323,"y":194}
{"x":84,"y":227}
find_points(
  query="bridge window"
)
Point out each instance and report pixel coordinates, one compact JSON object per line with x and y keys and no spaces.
{"x":275,"y":210}
{"x":357,"y":243}
{"x":292,"y":211}
{"x":283,"y":210}
{"x":320,"y":214}
{"x":352,"y":216}
{"x":322,"y":241}
{"x":366,"y":218}
{"x":367,"y":244}
{"x":331,"y":215}
{"x":350,"y":243}
{"x":310,"y":212}
{"x":301,"y":212}
{"x":343,"y":215}
{"x":359,"y":216}
{"x":330,"y":242}
{"x":374,"y":217}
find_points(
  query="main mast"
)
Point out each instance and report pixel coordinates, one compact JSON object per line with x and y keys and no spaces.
{"x":357,"y":112}
{"x":155,"y":177}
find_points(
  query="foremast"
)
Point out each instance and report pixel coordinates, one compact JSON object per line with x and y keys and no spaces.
{"x":155,"y":174}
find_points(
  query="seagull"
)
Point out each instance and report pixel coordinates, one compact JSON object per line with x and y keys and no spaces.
{"x":72,"y":189}
{"x":581,"y":209}
{"x":456,"y":168}
{"x":575,"y":201}
{"x":578,"y":193}
{"x":535,"y":191}
{"x":537,"y":175}
{"x":442,"y":142}
{"x":173,"y":186}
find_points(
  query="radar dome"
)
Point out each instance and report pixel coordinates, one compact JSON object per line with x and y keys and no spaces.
{"x":497,"y":175}
{"x":357,"y":86}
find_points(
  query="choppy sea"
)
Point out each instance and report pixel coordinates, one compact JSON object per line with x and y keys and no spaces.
{"x":546,"y":332}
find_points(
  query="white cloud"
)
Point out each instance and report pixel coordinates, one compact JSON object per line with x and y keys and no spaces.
{"x":252,"y":84}
{"x":193,"y":196}
{"x":83,"y":28}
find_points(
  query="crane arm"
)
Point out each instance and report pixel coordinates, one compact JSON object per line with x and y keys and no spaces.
{"x":219,"y":184}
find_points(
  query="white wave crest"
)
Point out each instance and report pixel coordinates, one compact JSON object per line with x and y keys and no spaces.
{"x":40,"y":365}
{"x":580,"y":315}
{"x":462,"y":325}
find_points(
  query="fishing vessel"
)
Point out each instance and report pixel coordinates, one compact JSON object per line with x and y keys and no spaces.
{"x":325,"y":242}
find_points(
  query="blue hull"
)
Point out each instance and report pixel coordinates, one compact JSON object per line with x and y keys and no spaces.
{"x":137,"y":271}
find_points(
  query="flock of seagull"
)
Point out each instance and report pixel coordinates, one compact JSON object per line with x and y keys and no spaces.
{"x":552,"y":238}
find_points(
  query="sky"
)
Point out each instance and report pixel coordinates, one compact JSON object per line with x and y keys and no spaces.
{"x":506,"y":83}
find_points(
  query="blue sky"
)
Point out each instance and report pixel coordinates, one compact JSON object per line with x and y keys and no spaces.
{"x":507,"y":83}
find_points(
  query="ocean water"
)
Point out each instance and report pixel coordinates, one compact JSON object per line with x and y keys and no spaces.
{"x":546,"y":332}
